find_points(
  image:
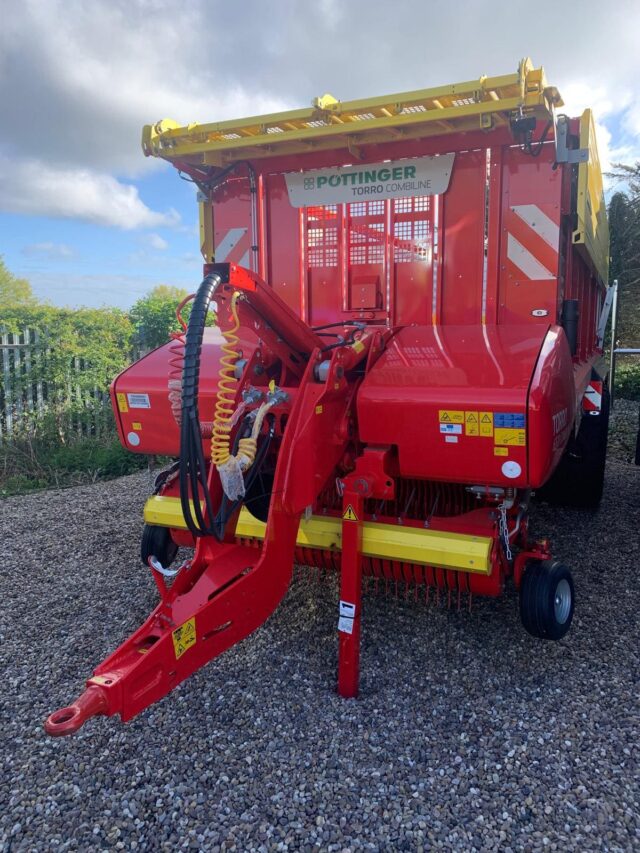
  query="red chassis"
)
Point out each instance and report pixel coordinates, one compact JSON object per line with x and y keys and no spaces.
{"x":421,"y":379}
{"x":229,"y":587}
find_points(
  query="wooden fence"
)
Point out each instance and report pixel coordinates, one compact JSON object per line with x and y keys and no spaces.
{"x":27,"y":393}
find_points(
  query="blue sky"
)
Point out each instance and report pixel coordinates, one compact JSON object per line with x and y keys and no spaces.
{"x":71,"y":261}
{"x":89,"y":220}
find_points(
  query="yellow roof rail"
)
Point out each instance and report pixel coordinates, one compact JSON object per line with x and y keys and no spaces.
{"x":329,"y":123}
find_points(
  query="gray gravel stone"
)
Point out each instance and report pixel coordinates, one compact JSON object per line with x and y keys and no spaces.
{"x":469,"y":734}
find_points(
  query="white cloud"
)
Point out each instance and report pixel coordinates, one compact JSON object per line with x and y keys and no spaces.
{"x":33,"y":187}
{"x":607,"y":106}
{"x":78,"y":80}
{"x":49,"y":250}
{"x":156,"y":242}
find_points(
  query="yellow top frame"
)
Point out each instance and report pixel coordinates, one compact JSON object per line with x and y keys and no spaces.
{"x":592,"y":229}
{"x":475,"y":104}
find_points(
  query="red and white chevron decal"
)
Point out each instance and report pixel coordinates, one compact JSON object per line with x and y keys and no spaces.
{"x":234,"y":246}
{"x":533,"y":238}
{"x":592,"y":400}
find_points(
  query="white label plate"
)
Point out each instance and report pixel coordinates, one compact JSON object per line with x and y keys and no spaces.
{"x":416,"y":176}
{"x":139,"y":401}
{"x":345,"y":625}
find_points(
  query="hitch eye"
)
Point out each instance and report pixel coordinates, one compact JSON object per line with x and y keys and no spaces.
{"x":63,"y":715}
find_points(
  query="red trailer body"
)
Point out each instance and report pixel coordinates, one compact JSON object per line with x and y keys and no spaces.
{"x":408,"y":295}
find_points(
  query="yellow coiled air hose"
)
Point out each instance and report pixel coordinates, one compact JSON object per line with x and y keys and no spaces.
{"x":227,"y":387}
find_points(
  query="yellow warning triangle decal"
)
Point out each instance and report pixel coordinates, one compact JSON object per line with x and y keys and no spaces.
{"x":445,"y":417}
{"x":349,"y":514}
{"x":471,"y":417}
{"x":486,"y":419}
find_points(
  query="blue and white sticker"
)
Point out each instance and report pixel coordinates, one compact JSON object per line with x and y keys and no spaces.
{"x":139,"y":401}
{"x":508,"y":420}
{"x":347,"y":615}
{"x":451,"y":429}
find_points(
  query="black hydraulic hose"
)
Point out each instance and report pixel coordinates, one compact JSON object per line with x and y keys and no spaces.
{"x":193,"y":467}
{"x":192,"y":463}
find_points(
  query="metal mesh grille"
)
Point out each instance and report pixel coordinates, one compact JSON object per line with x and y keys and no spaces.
{"x":322,"y":236}
{"x":366,"y":238}
{"x":411,"y":233}
{"x":411,"y":205}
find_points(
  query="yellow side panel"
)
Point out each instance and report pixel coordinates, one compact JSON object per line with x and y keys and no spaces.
{"x":592,"y":230}
{"x":206,"y":230}
{"x":386,"y":541}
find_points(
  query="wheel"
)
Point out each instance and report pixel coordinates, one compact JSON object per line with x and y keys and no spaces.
{"x":258,"y":496}
{"x":579,"y":478}
{"x":157,"y":542}
{"x":547,"y":599}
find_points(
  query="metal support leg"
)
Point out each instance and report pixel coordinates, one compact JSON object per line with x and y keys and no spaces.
{"x":614,"y":344}
{"x":350,"y":595}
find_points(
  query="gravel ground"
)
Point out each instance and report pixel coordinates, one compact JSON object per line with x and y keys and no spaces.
{"x":623,"y":430}
{"x":469,"y":733}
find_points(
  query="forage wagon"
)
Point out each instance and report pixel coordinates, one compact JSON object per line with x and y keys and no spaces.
{"x":410,"y":295}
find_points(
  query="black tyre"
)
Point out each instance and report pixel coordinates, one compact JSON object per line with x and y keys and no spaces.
{"x":579,"y":478}
{"x":258,"y":496}
{"x":547,"y":599}
{"x":157,"y":542}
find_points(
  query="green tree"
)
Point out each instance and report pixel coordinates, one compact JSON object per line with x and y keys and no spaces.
{"x":74,"y":353}
{"x":624,"y":225}
{"x":154,"y":315}
{"x":14,"y":291}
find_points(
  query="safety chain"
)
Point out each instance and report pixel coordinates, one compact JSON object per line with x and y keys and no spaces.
{"x":504,"y":531}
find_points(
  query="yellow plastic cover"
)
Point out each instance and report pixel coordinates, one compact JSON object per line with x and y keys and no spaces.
{"x":592,"y":230}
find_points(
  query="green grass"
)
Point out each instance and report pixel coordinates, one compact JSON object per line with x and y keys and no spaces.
{"x":29,"y":464}
{"x":628,"y":378}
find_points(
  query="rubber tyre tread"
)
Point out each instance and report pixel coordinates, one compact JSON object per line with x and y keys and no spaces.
{"x":578,"y":480}
{"x":537,"y":594}
{"x":157,"y":542}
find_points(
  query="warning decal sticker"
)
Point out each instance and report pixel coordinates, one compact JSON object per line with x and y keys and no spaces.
{"x":486,"y":423}
{"x":506,"y":428}
{"x":184,"y":637}
{"x":513,"y":437}
{"x":471,"y":423}
{"x":449,"y":417}
{"x":122,"y":402}
{"x":349,"y":514}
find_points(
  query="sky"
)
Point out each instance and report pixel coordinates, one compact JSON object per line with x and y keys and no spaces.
{"x":88,"y":220}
